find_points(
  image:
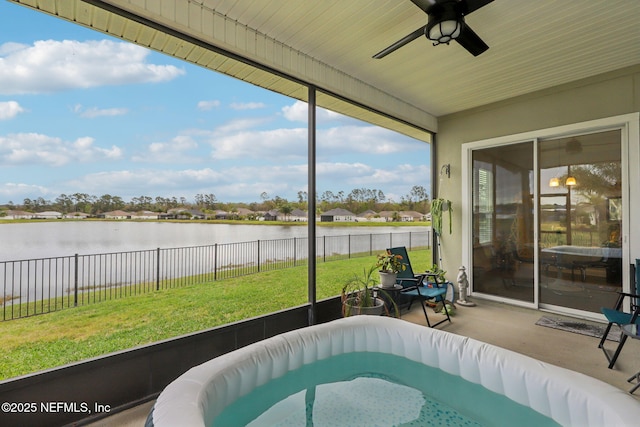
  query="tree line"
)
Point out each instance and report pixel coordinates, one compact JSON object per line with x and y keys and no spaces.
{"x":357,"y":201}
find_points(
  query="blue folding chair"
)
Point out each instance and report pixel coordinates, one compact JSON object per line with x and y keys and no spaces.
{"x":423,"y":287}
{"x":618,"y":316}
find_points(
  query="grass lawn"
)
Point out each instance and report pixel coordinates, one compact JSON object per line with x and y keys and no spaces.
{"x":46,"y":341}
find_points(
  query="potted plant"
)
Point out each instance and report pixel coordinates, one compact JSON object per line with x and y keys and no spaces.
{"x":360,"y":295}
{"x":438,"y":207}
{"x":438,"y":273}
{"x":389,"y":265}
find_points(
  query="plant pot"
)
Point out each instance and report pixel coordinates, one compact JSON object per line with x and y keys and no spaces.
{"x":352,"y":310}
{"x":387,"y":280}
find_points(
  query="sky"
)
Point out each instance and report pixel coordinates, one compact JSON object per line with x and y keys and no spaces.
{"x":83,"y":112}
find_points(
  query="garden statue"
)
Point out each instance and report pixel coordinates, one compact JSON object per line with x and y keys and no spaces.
{"x":463,"y":285}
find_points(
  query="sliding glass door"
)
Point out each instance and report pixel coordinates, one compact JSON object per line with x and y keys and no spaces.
{"x":568,"y":192}
{"x":503,"y":249}
{"x":580,"y":214}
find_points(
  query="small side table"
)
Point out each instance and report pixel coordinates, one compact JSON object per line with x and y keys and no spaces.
{"x":633,"y":331}
{"x":393,"y":293}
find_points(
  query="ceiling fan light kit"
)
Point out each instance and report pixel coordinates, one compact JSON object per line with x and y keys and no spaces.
{"x":446,"y":23}
{"x":443,"y":32}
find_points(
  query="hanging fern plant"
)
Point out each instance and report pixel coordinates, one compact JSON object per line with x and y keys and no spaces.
{"x":438,"y":206}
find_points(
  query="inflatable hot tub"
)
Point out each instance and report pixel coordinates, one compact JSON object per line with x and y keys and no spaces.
{"x":569,"y":398}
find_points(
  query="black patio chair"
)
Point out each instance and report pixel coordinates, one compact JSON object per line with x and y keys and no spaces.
{"x":618,"y":316}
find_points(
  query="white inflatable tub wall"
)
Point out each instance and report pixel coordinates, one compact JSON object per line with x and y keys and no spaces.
{"x":568,"y":397}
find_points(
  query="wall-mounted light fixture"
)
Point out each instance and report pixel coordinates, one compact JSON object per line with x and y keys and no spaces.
{"x":571,"y":181}
{"x":554,"y":182}
{"x":446,"y":170}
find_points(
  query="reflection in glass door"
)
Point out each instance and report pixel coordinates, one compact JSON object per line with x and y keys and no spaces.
{"x":503,"y":221}
{"x":580,"y":214}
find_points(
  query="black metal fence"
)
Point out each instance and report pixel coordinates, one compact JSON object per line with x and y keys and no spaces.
{"x":37,"y":286}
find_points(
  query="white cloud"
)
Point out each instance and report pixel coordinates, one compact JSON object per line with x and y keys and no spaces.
{"x":265,"y":144}
{"x":208,"y":105}
{"x":363,"y":139}
{"x":17,"y":192}
{"x":232,"y":141}
{"x":239,"y":125}
{"x":10,"y":47}
{"x":328,"y":170}
{"x":151,"y":182}
{"x":10,"y":109}
{"x":175,"y":151}
{"x":39,"y":149}
{"x":93,"y":112}
{"x":247,"y":105}
{"x":52,"y":66}
{"x":346,"y":177}
{"x":268,"y":173}
{"x":299,"y":112}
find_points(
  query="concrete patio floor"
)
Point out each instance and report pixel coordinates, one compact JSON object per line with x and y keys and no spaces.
{"x":506,"y":326}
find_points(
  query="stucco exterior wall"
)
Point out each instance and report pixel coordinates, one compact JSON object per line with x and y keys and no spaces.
{"x":607,"y":95}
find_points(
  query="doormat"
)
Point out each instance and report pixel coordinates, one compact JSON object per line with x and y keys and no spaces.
{"x":581,"y":328}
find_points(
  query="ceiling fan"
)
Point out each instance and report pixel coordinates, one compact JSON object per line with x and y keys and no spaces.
{"x":446,"y":23}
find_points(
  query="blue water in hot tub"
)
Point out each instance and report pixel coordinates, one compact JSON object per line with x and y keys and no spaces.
{"x":375,"y":389}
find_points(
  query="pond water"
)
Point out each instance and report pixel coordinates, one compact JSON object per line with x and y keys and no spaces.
{"x":53,"y":239}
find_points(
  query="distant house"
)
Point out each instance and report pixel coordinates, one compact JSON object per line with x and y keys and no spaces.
{"x":410,"y":216}
{"x":271,"y":215}
{"x":298,"y":215}
{"x":47,"y":215}
{"x":15,"y":214}
{"x":238,"y":213}
{"x":244,"y":212}
{"x":196,"y":214}
{"x":115,"y":215}
{"x":75,"y":215}
{"x":182,"y":213}
{"x":338,"y":215}
{"x":388,"y":216}
{"x":220,"y":214}
{"x":369,"y":216}
{"x":148,"y":215}
{"x":369,"y":213}
{"x":404,"y":216}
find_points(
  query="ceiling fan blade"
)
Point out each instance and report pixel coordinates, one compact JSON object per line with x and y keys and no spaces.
{"x":403,"y":41}
{"x":468,"y":6}
{"x":424,"y":4}
{"x":471,"y":41}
